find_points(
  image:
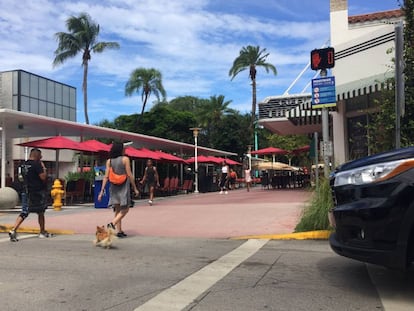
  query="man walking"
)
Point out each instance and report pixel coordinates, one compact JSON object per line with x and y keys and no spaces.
{"x":34,"y":194}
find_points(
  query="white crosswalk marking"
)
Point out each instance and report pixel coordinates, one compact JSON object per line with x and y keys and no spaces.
{"x":185,"y":292}
{"x":20,"y":237}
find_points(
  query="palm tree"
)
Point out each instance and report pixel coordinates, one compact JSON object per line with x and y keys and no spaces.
{"x":148,"y":81}
{"x":212,"y":111}
{"x":81,"y":38}
{"x":210,"y":114}
{"x":251,"y":57}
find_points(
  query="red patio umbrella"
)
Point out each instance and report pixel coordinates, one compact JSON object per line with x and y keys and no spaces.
{"x":269,"y":150}
{"x":204,"y":159}
{"x":170,"y":157}
{"x":95,"y":145}
{"x":56,"y":143}
{"x":137,"y":153}
{"x":301,"y":149}
{"x":151,"y":154}
{"x":228,"y":161}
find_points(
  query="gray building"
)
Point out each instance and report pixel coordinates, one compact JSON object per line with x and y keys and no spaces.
{"x":24,"y":91}
{"x":30,"y":93}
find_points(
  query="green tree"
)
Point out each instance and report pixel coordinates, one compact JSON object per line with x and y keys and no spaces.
{"x":381,"y":122}
{"x":407,"y":122}
{"x":210,"y":113}
{"x":81,"y":38}
{"x":289,"y":143}
{"x":147,"y":81}
{"x":187,"y":103}
{"x":230,"y":133}
{"x":251,"y":57}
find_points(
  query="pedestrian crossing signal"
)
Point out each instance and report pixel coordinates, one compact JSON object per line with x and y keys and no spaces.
{"x":323,"y":58}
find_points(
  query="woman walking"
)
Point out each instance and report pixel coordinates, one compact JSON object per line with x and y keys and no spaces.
{"x":119,"y":194}
{"x":247,"y":177}
{"x":152,"y":179}
{"x":224,"y":178}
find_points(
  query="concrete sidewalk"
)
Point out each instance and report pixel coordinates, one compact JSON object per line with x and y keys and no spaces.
{"x":205,"y":215}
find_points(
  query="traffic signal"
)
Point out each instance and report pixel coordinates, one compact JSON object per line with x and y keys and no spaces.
{"x":322,"y":58}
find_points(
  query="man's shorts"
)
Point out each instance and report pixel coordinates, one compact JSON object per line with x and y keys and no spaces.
{"x":37,"y":202}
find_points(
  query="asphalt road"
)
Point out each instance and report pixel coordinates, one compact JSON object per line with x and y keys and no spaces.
{"x":151,"y":273}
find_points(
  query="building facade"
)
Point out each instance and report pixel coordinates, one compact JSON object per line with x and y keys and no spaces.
{"x":27,"y":92}
{"x":363,"y":64}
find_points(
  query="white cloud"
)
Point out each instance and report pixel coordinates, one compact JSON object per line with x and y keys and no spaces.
{"x":191,"y":44}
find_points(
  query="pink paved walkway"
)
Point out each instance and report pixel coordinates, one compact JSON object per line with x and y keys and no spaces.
{"x":209,"y":215}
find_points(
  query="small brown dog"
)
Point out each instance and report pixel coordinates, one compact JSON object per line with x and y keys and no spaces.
{"x":104,"y":237}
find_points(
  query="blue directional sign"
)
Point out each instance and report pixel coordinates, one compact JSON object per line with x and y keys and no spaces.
{"x":323,"y":92}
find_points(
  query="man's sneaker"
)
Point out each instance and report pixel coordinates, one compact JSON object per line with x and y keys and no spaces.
{"x":150,"y":202}
{"x":13,"y":236}
{"x":221,"y":192}
{"x":226,"y":192}
{"x":45,"y":234}
{"x":110,"y":225}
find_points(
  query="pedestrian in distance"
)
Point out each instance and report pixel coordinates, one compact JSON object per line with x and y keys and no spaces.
{"x":247,"y":177}
{"x":33,"y":175}
{"x":224,"y":178}
{"x":119,"y":194}
{"x":233,"y":179}
{"x":152,"y":179}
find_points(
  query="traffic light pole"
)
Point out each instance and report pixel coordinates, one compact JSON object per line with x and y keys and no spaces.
{"x":325,"y":134}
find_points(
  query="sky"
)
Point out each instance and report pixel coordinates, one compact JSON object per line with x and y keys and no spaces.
{"x":193,"y":43}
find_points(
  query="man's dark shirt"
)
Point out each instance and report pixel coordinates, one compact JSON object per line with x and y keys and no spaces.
{"x":34,"y":183}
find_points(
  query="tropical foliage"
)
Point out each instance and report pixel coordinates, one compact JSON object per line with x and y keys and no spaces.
{"x":407,"y":122}
{"x":222,"y":128}
{"x":82,"y":37}
{"x":145,"y":81}
{"x":315,"y":215}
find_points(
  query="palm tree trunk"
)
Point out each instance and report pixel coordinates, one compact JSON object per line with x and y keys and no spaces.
{"x":144,"y":103}
{"x":85,"y":91}
{"x":253,"y":109}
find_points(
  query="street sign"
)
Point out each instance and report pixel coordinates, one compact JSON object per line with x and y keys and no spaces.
{"x":323,"y":92}
{"x":326,"y":148}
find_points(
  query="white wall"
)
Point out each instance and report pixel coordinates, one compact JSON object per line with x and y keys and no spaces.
{"x":373,"y":62}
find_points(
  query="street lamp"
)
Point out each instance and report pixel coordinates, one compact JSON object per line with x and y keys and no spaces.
{"x":195,"y":130}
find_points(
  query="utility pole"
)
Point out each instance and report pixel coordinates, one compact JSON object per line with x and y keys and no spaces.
{"x":324,"y":96}
{"x":399,"y":82}
{"x":325,"y":134}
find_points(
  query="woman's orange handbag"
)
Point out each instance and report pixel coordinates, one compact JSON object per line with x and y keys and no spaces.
{"x":116,"y":179}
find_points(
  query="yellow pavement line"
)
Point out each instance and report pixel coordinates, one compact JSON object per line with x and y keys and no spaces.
{"x":7,"y":228}
{"x":309,"y":235}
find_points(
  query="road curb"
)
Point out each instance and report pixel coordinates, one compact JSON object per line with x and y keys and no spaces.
{"x":308,"y":235}
{"x":7,"y":228}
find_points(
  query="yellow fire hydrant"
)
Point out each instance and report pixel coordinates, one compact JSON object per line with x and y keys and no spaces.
{"x":57,"y":193}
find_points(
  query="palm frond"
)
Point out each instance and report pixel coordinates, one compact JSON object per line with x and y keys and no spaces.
{"x":102,"y":46}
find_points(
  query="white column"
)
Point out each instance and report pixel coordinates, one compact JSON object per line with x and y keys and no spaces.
{"x":3,"y":157}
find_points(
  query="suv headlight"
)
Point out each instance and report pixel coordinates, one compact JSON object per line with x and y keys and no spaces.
{"x":372,"y":173}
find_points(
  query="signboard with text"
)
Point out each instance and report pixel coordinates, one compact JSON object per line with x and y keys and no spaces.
{"x":323,"y":92}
